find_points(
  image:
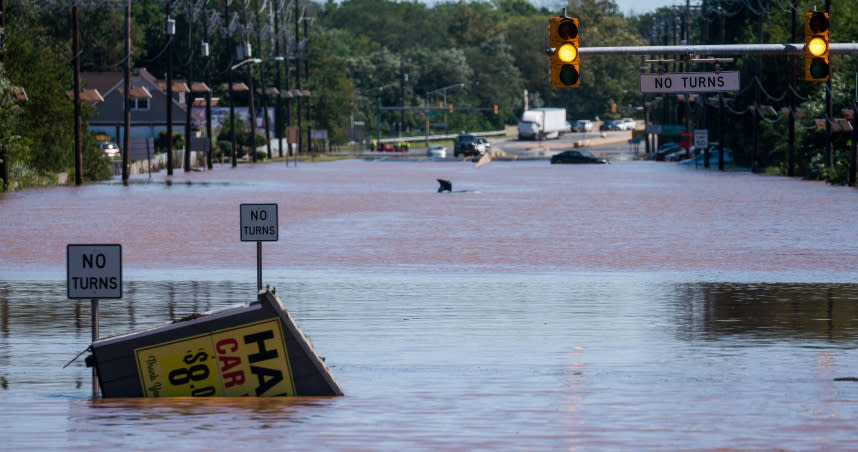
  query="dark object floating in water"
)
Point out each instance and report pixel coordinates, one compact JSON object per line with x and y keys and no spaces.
{"x":251,"y":350}
{"x":445,"y":185}
{"x":846,"y":379}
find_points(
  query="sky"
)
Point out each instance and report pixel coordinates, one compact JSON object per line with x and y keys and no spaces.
{"x":626,"y":6}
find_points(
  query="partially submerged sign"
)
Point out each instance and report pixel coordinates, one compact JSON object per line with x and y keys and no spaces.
{"x":94,"y":271}
{"x":253,"y":350}
{"x":690,"y":82}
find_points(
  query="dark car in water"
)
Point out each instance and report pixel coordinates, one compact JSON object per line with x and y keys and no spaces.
{"x":576,"y":156}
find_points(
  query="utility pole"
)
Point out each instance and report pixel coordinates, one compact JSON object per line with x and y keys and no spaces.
{"x":793,"y":80}
{"x":248,"y":54}
{"x":234,"y":157}
{"x":755,"y":159}
{"x":171,"y":30}
{"x":78,"y":141}
{"x":278,"y":109}
{"x":298,"y":72}
{"x":829,"y":146}
{"x":126,"y":140}
{"x":208,"y":71}
{"x":189,"y":99}
{"x":263,"y":96}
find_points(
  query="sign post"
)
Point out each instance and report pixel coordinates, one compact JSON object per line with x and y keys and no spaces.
{"x":701,"y":138}
{"x":259,"y":224}
{"x":94,"y":271}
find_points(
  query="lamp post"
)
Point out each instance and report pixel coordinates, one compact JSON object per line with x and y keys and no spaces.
{"x":189,"y":99}
{"x":207,"y":56}
{"x":250,"y":62}
{"x":171,"y":30}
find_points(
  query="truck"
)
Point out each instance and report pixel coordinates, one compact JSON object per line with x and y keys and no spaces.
{"x":542,"y":123}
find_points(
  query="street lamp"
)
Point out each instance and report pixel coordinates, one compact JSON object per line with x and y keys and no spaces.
{"x":250,"y":62}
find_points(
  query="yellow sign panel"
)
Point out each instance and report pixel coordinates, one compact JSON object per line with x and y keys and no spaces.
{"x":248,"y":360}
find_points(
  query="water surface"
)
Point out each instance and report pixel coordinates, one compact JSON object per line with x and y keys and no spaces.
{"x":627,"y":306}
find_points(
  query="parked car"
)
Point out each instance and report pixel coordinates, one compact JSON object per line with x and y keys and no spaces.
{"x":485,"y":144}
{"x":583,"y":125}
{"x":713,"y":157}
{"x":664,"y":149}
{"x":609,"y":124}
{"x":576,"y":156}
{"x":436,"y":151}
{"x":109,"y":149}
{"x":467,"y":144}
{"x":627,"y":124}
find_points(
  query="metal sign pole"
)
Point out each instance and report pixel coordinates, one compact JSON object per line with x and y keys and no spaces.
{"x":258,"y":265}
{"x":94,"y":310}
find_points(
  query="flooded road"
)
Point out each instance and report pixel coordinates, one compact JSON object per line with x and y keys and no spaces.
{"x":636,"y":305}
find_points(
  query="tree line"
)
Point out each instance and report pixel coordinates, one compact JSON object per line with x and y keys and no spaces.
{"x":356,"y":55}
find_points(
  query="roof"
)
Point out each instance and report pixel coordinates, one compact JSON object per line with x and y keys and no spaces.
{"x":236,"y":86}
{"x":91,"y":96}
{"x":201,"y":102}
{"x":200,"y":87}
{"x":179,"y":86}
{"x":102,"y":81}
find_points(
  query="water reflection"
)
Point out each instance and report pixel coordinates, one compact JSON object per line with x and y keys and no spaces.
{"x":821,"y":312}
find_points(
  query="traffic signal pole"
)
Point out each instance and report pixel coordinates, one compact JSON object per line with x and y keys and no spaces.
{"x":717,"y":49}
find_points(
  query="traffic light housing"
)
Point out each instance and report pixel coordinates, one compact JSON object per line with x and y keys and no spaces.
{"x":563,"y":42}
{"x":495,"y":108}
{"x":816,"y":47}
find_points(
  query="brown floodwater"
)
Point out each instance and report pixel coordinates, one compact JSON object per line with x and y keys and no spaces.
{"x":630,"y":306}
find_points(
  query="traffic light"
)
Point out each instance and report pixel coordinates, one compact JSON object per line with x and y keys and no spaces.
{"x":451,"y":108}
{"x":563,"y":41}
{"x":816,"y":47}
{"x":495,"y":109}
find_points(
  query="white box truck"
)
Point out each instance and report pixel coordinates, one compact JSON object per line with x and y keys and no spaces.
{"x":542,"y":123}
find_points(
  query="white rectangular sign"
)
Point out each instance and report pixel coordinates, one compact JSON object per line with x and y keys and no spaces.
{"x":701,"y":138}
{"x":94,"y":271}
{"x":259,"y":223}
{"x":690,"y":82}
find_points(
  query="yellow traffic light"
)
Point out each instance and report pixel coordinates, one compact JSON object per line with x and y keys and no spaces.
{"x":495,"y":109}
{"x":817,"y":67}
{"x":451,"y":108}
{"x":563,"y":41}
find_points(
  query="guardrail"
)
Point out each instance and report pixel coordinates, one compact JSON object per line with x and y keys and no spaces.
{"x":451,"y":136}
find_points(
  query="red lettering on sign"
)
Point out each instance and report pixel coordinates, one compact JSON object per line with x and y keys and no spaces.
{"x":221,"y":346}
{"x":228,"y":362}
{"x":233,"y":378}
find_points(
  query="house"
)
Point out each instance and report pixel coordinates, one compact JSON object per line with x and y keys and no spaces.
{"x":148,"y":99}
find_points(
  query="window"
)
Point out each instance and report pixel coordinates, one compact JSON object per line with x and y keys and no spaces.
{"x":140,"y":104}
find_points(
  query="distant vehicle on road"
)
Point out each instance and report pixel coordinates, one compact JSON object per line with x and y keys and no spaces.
{"x":583,"y":125}
{"x":713,"y":157}
{"x":627,"y":124}
{"x":485,"y":144}
{"x":663,"y":150}
{"x":576,"y":156}
{"x":609,"y":124}
{"x":109,"y":149}
{"x":566,"y":128}
{"x":541,"y":123}
{"x":468,"y":145}
{"x":436,"y":151}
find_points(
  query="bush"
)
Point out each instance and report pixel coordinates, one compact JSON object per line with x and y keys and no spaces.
{"x":161,"y":141}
